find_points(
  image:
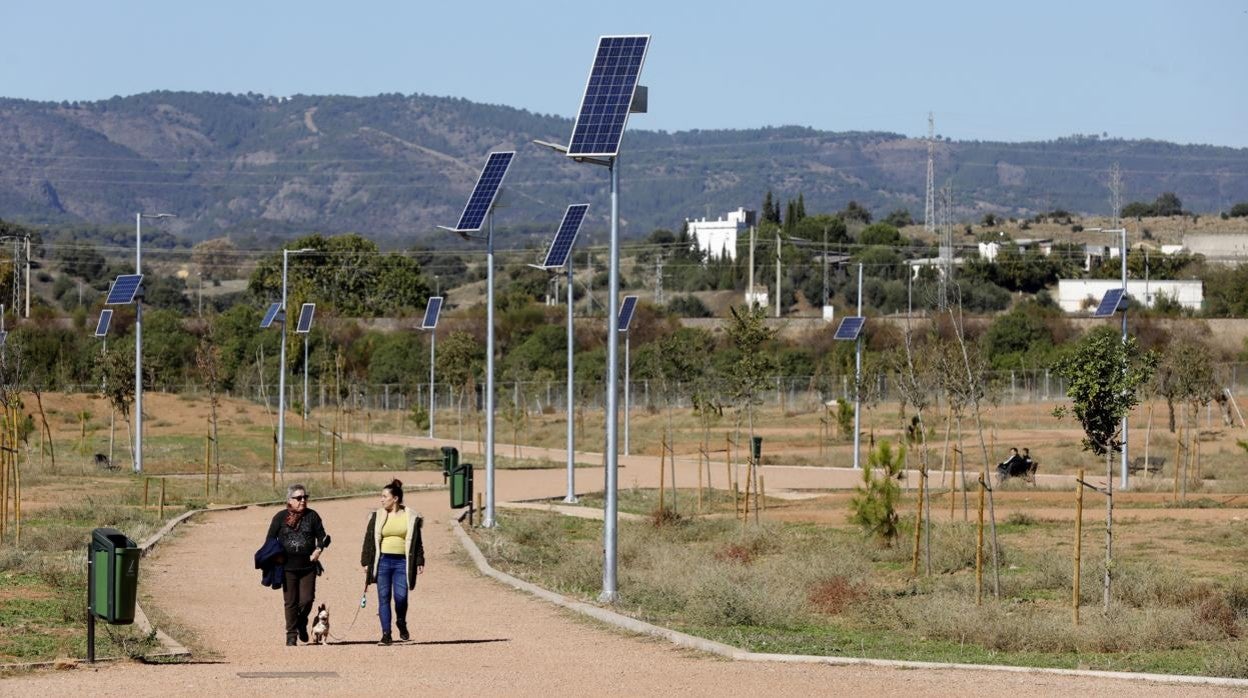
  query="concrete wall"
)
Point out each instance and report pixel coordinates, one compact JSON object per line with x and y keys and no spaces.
{"x":1072,"y":294}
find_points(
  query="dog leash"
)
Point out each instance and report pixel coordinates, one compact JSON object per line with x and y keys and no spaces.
{"x":363,"y":603}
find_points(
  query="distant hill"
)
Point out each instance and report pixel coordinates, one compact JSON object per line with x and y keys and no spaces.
{"x":393,"y":167}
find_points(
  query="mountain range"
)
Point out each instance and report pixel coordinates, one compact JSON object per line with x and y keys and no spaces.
{"x":393,"y":167}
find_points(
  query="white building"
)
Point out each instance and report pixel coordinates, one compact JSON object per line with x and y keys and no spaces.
{"x":1081,"y":295}
{"x":1223,"y":248}
{"x":989,"y":250}
{"x":918,"y":265}
{"x":718,"y":238}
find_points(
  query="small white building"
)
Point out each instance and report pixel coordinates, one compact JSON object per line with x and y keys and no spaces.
{"x":918,"y":265}
{"x":718,"y":238}
{"x":1218,"y":248}
{"x":989,"y":250}
{"x":1082,"y":295}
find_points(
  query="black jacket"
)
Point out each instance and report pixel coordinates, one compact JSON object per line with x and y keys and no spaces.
{"x":299,"y":543}
{"x":415,"y":547}
{"x":269,"y":559}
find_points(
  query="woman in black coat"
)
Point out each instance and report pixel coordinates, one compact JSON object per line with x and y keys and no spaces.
{"x":303,"y":537}
{"x":394,"y":555}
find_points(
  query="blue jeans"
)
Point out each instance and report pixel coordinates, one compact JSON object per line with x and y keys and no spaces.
{"x":392,"y":581}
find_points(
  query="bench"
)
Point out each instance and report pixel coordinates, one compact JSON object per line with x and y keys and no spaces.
{"x":1155,"y":464}
{"x":1027,"y":472}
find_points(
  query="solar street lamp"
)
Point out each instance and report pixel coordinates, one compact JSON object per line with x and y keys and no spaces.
{"x":101,"y":331}
{"x":432,"y":311}
{"x":850,"y":330}
{"x":304,"y":327}
{"x":279,"y":314}
{"x":479,"y":208}
{"x":560,"y":255}
{"x":1110,"y":304}
{"x":627,"y":308}
{"x":611,"y":93}
{"x":137,"y":298}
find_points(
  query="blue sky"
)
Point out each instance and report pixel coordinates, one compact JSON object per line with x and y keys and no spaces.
{"x":989,"y":71}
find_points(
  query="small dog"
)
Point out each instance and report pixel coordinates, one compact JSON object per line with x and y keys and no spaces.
{"x":320,"y":630}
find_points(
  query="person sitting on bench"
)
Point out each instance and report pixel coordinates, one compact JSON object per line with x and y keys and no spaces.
{"x":1030,"y":472}
{"x":1010,"y":466}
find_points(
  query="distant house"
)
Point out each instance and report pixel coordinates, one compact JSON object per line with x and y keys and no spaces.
{"x":1227,"y":248}
{"x":918,"y":265}
{"x":1077,"y":295}
{"x":718,"y":238}
{"x":988,"y":251}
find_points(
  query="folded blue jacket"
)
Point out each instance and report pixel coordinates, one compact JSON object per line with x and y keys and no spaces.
{"x":269,"y":559}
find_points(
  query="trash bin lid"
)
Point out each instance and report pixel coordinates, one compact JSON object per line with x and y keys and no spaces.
{"x":110,"y":539}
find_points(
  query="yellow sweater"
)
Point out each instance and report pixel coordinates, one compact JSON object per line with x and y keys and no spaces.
{"x":394,"y":534}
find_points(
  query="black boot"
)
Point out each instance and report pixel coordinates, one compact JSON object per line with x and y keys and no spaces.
{"x":303,"y":634}
{"x":386,"y":639}
{"x":403,"y":634}
{"x":292,"y":639}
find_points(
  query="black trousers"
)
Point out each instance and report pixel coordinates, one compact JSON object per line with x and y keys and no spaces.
{"x":298,"y":593}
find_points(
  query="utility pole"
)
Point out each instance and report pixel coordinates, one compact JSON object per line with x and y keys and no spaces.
{"x":946,"y":245}
{"x":1115,"y":195}
{"x":28,"y":276}
{"x":777,"y":274}
{"x":749,"y":299}
{"x":929,"y":207}
{"x":658,"y":279}
{"x":825,"y":265}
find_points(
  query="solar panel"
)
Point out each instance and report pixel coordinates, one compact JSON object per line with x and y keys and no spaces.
{"x":608,"y":96}
{"x":561,"y":247}
{"x":305,"y":318}
{"x":626,"y":313}
{"x":1110,"y":303}
{"x":432,"y":311}
{"x":124,"y":289}
{"x":850,"y":328}
{"x":106,"y":319}
{"x":270,"y":315}
{"x":485,"y":191}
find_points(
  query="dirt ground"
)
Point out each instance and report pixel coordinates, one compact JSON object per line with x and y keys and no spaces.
{"x":472,"y":634}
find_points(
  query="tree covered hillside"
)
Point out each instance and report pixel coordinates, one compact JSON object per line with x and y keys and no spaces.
{"x":394,"y":167}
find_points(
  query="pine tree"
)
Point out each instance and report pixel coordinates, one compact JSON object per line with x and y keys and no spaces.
{"x":801,"y":207}
{"x":771,"y":209}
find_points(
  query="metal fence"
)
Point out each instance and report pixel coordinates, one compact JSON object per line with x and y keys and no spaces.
{"x":789,"y":393}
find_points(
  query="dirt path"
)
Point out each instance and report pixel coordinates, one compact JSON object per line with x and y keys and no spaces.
{"x":470,"y":634}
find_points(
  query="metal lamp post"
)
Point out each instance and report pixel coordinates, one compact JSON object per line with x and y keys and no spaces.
{"x":1122,"y":254}
{"x":610,"y":95}
{"x":281,"y":370}
{"x":138,"y":338}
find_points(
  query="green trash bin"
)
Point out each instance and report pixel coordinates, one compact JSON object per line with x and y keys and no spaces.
{"x":114,"y":576}
{"x":756,"y":448}
{"x":461,"y":486}
{"x":450,"y":461}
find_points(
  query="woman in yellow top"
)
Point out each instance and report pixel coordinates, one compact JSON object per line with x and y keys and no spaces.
{"x":393,"y":555}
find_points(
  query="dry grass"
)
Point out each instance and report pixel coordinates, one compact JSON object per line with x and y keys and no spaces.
{"x":813,"y":588}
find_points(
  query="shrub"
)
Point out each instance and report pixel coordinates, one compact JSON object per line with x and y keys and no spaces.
{"x":874,"y":505}
{"x":834,"y":594}
{"x":688,"y":306}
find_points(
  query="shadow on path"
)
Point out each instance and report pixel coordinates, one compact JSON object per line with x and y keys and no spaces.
{"x":400,"y":643}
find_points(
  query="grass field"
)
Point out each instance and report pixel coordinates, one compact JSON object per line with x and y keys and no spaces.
{"x":1179,"y":605}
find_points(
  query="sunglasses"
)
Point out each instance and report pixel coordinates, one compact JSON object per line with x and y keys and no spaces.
{"x":300,"y":497}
